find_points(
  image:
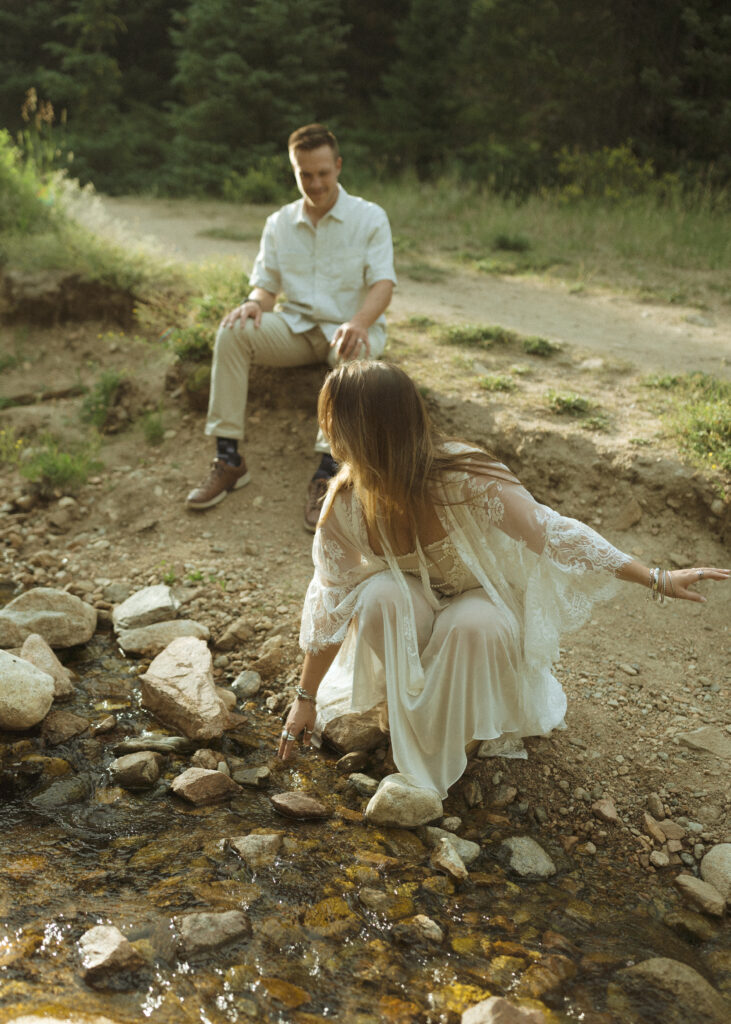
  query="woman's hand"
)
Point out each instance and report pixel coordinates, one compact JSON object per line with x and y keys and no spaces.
{"x":301,"y":719}
{"x":679,"y":582}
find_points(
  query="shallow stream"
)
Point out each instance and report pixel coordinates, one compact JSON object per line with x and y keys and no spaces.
{"x":100,"y":854}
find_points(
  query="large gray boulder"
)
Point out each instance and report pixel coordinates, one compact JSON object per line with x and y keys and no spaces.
{"x":62,"y":619}
{"x":178,"y":688}
{"x":26,"y":693}
{"x":716,"y":869}
{"x":523,"y":856}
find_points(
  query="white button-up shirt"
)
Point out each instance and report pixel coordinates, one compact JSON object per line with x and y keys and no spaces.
{"x":324,"y":271}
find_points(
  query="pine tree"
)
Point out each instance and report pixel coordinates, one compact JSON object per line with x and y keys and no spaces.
{"x":249,"y":73}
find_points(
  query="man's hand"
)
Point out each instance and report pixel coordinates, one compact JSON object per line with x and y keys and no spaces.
{"x":248,"y":310}
{"x":350,"y":341}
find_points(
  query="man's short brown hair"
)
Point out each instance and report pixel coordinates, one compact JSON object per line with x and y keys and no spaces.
{"x":312,"y":136}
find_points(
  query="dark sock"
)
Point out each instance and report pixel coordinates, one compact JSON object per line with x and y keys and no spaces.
{"x":328,"y":467}
{"x":227,"y":448}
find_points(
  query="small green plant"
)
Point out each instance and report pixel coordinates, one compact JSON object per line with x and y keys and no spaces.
{"x":478,"y":335}
{"x":511,"y":243}
{"x":599,"y":422}
{"x":11,"y":447}
{"x":98,"y":404}
{"x":699,"y":415}
{"x":567,"y":403}
{"x":537,"y":346}
{"x":421,"y":323}
{"x":8,"y":362}
{"x":54,"y":470}
{"x":194,"y":576}
{"x":497,"y":382}
{"x":169,"y":577}
{"x":153,"y":428}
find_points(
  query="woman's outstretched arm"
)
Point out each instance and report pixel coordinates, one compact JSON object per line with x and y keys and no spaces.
{"x":301,"y":717}
{"x":671,"y":583}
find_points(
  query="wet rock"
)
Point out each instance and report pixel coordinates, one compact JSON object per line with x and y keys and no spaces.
{"x":690,"y":925}
{"x":352,"y":762}
{"x":246,"y":685}
{"x":235,"y":634}
{"x":709,"y":739}
{"x":136,"y":771}
{"x":104,"y":950}
{"x":147,"y":606}
{"x":606,"y":810}
{"x":254,"y":778}
{"x":201,"y":932}
{"x":228,"y":697}
{"x":257,"y":850}
{"x":354,"y":731}
{"x":60,"y":618}
{"x":472,"y":792}
{"x":26,"y":693}
{"x":445,"y":858}
{"x":419,"y":928}
{"x":399,"y":804}
{"x":158,"y":741}
{"x":363,"y":784}
{"x":331,"y":917}
{"x":38,"y":653}
{"x":205,"y":758}
{"x":546,"y":976}
{"x":660,"y":859}
{"x":299,"y":805}
{"x":392,"y":905}
{"x":201,"y":786}
{"x":664,"y":991}
{"x":497,"y":1010}
{"x":452,"y":824}
{"x":62,"y":793}
{"x":466,"y":850}
{"x":59,"y":726}
{"x":151,"y":640}
{"x":524,"y":857}
{"x":178,"y":688}
{"x":716,"y":869}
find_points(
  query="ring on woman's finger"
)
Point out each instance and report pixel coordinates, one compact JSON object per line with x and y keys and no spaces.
{"x":700,"y":573}
{"x":290,"y":737}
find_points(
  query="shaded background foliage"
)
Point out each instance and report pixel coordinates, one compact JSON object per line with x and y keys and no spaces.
{"x":176,"y":97}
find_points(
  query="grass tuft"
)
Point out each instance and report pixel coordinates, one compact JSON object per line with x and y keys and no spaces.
{"x":699,"y":416}
{"x":568,"y":403}
{"x":97,"y":406}
{"x":497,"y":382}
{"x":54,"y":470}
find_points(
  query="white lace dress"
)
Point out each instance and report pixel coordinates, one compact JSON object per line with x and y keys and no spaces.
{"x":458,"y":639}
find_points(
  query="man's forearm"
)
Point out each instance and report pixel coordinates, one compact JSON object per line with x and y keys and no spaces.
{"x":376,"y":302}
{"x":264,"y":298}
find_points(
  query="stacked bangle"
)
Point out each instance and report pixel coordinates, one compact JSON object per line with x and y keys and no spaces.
{"x":304,"y":695}
{"x":658,"y":584}
{"x":250,"y":298}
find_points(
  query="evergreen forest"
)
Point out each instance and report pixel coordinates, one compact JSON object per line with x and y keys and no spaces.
{"x":198,"y":98}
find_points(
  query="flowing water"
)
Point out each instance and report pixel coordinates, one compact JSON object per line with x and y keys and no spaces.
{"x":91,"y":853}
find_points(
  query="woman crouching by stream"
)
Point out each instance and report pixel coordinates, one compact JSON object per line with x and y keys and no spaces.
{"x":441,"y":586}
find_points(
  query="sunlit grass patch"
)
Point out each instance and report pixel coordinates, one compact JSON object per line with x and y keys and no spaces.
{"x":568,"y":403}
{"x":421,"y":270}
{"x":485,"y":336}
{"x":534,"y":345}
{"x":497,"y":382}
{"x":698,"y":415}
{"x":98,"y":404}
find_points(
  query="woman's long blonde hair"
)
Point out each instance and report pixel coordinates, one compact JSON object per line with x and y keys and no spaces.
{"x":379,"y":430}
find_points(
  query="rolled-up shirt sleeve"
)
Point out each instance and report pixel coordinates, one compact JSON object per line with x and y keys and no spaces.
{"x":379,"y":264}
{"x":266,"y":273}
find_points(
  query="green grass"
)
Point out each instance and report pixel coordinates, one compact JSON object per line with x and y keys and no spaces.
{"x":153,"y":428}
{"x":497,"y":382}
{"x":229,"y":234}
{"x":55,"y":470}
{"x":99,"y":402}
{"x":639,"y":243}
{"x":567,"y":403}
{"x":485,"y":336}
{"x":697,"y":411}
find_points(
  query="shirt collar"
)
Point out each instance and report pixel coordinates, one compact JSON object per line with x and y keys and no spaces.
{"x":338,"y":210}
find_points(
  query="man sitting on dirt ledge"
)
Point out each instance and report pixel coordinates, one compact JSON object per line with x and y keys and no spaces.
{"x":331,"y":254}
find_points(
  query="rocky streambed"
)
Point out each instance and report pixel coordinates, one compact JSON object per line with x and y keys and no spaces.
{"x":158,"y":862}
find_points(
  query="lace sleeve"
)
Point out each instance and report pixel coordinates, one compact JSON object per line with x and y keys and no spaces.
{"x":548,"y":568}
{"x":341,"y":566}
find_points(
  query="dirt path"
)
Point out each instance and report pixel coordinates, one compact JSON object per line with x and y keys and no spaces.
{"x":652,"y":337}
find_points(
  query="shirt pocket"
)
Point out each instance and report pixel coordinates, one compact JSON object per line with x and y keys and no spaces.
{"x":345,"y":268}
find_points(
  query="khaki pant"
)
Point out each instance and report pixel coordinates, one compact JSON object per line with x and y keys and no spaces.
{"x":237,"y":348}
